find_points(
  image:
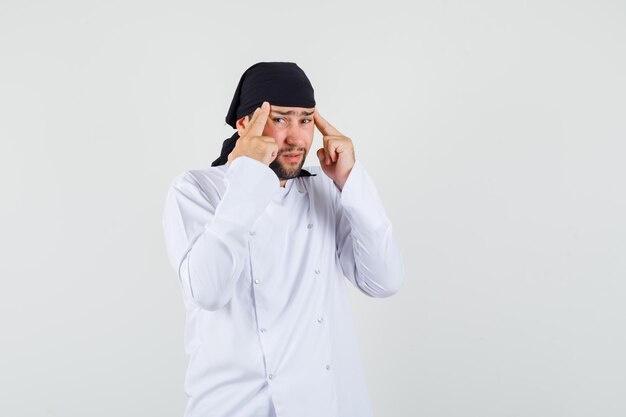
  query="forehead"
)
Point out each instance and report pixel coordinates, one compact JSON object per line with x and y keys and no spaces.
{"x":292,"y":111}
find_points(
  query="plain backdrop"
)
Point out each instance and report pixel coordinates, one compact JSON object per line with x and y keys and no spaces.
{"x":494,"y":131}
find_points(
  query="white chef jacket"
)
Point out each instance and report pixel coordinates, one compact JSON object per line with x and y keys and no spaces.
{"x":269,"y":330}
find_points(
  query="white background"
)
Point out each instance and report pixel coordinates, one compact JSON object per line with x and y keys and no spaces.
{"x":494,"y":131}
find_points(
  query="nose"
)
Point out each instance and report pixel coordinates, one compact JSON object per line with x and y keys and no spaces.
{"x":295,"y":136}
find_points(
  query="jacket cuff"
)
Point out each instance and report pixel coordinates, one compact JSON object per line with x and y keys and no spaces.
{"x":250,"y":186}
{"x":360,"y":201}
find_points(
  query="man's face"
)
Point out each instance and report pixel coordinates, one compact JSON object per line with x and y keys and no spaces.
{"x":293,"y":129}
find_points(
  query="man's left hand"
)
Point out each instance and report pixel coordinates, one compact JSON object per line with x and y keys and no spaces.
{"x":337,"y":155}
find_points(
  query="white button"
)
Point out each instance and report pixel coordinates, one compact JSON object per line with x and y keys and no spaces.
{"x":256,"y":281}
{"x":309,"y":226}
{"x":252,"y":233}
{"x":262,"y":329}
{"x":320,"y":319}
{"x":328,"y":367}
{"x":317,"y":272}
{"x":271,"y":376}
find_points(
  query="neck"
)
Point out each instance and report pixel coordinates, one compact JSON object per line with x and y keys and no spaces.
{"x":282,"y":183}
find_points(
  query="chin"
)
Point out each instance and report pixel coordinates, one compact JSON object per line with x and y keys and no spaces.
{"x":285,"y":173}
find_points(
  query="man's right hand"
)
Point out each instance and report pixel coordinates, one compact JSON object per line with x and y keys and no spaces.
{"x":252,"y":143}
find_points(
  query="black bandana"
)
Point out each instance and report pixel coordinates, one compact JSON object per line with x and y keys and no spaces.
{"x":279,"y":83}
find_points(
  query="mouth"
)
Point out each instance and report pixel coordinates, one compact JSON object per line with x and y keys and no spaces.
{"x":295,"y":156}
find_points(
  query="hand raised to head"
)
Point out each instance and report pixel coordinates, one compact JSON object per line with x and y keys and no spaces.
{"x":337,"y":155}
{"x":252,"y":143}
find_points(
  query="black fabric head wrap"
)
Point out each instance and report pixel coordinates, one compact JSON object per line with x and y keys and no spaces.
{"x":279,"y":83}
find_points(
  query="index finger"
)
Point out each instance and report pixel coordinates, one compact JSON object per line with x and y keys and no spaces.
{"x":257,"y":124}
{"x":322,"y":124}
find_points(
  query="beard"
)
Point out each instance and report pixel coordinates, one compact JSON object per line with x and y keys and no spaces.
{"x":286,"y":170}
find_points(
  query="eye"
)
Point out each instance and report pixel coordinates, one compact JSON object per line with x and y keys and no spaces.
{"x":279,"y":119}
{"x":306,"y":121}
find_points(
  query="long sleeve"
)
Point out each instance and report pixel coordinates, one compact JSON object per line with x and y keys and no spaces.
{"x":206,"y":234}
{"x":368,"y":253}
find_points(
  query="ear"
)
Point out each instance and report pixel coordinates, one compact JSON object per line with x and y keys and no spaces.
{"x":242,"y":124}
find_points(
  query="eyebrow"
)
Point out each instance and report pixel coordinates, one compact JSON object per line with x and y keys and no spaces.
{"x":291,"y":113}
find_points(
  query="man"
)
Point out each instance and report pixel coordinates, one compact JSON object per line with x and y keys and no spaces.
{"x":262,"y":247}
